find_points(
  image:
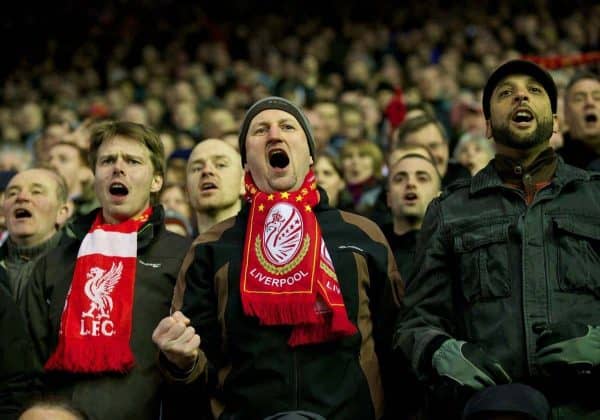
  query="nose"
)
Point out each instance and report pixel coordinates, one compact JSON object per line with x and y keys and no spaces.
{"x":208,"y":169}
{"x":274,"y":131}
{"x":23,"y":195}
{"x":521,"y":95}
{"x":119,"y":166}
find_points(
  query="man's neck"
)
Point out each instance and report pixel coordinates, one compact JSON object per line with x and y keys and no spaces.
{"x":206,"y":220}
{"x":525,"y":157}
{"x":593,"y":143}
{"x":29,"y":242}
{"x":403,"y":225}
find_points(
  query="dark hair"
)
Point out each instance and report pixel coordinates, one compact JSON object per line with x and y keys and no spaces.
{"x":581,"y":75}
{"x":82,"y":153}
{"x":137,"y":132}
{"x":409,"y":150}
{"x":415,"y":124}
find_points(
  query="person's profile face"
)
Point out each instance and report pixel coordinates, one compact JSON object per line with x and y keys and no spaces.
{"x":329,"y":179}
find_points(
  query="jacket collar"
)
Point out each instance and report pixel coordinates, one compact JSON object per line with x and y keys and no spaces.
{"x":488,"y":177}
{"x":81,"y":226}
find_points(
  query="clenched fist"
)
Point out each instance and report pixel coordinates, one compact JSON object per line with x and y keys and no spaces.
{"x":177,"y":340}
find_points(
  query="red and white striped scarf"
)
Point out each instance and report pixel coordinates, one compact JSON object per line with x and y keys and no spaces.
{"x":96,"y":321}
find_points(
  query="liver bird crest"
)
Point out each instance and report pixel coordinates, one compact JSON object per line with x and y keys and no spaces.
{"x":98,"y":289}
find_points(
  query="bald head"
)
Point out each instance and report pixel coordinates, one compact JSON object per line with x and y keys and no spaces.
{"x":214,"y":176}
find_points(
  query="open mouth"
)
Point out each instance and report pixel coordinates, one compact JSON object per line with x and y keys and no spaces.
{"x":410,"y":196}
{"x":278,"y":158}
{"x":22,"y":214}
{"x":522,"y":116}
{"x":591,"y":118}
{"x":208,"y":186}
{"x":118,"y":189}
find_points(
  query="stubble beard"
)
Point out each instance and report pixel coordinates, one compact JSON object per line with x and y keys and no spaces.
{"x":504,"y":135}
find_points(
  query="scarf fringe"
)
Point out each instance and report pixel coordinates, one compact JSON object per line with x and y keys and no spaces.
{"x":319,"y":333}
{"x":274,"y":313}
{"x":83,"y":358}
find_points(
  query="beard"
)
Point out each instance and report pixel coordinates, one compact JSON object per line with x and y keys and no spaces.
{"x":504,"y":135}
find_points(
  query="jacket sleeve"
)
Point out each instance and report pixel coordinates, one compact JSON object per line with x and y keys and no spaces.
{"x":385,"y":295}
{"x":195,"y":297}
{"x":427,"y":317}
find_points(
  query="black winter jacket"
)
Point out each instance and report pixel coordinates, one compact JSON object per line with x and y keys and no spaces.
{"x":493,"y":271}
{"x":252,"y":372}
{"x":137,"y":394}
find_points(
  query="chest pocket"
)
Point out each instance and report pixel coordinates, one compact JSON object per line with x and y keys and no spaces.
{"x":483,"y":262}
{"x":578,"y":259}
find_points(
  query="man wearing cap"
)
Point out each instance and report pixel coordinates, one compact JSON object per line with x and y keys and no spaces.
{"x":289,"y":305}
{"x":506,"y":286}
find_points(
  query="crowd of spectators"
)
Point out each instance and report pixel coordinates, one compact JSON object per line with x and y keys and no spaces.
{"x":391,"y":91}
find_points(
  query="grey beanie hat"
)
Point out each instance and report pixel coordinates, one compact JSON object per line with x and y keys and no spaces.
{"x":275,"y":102}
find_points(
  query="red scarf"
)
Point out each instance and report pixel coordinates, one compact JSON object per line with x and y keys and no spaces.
{"x":95,"y":327}
{"x":287,"y":274}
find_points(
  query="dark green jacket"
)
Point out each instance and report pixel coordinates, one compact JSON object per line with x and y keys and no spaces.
{"x":252,"y":371}
{"x":20,"y":261}
{"x":18,"y":375}
{"x":493,"y":271}
{"x":135,"y":395}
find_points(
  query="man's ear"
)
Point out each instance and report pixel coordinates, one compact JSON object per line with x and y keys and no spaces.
{"x":242,"y":186}
{"x":157,"y":183}
{"x":488,"y":129}
{"x":65,"y":211}
{"x":555,"y":124}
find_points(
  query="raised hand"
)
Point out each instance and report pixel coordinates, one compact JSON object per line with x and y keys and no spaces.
{"x":177,"y":340}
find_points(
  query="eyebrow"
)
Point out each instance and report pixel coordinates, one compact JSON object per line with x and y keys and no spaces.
{"x":511,"y":84}
{"x":282,"y":120}
{"x":125,"y":155}
{"x":212,"y":157}
{"x":19,"y":187}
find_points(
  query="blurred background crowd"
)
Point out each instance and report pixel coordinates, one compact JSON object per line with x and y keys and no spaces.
{"x":191,"y":70}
